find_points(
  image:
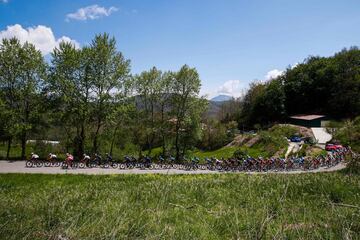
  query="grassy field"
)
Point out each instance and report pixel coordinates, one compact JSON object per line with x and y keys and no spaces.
{"x":227,"y":206}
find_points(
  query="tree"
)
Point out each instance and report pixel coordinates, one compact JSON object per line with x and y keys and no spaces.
{"x":10,"y":70}
{"x":119,"y":121}
{"x":149,"y":92}
{"x":185,"y":106}
{"x":23,"y":72}
{"x":165,"y":109}
{"x":344,"y":97}
{"x":70,"y":86}
{"x":251,"y":107}
{"x":109,"y":71}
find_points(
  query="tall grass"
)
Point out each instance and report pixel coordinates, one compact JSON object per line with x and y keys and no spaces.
{"x":229,"y":206}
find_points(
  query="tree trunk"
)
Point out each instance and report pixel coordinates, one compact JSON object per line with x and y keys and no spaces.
{"x":23,"y":146}
{"x":8,"y":148}
{"x":80,"y":151}
{"x":163,"y":145}
{"x":177,"y":148}
{"x":163,"y":130}
{"x":113,"y":141}
{"x":95,"y":143}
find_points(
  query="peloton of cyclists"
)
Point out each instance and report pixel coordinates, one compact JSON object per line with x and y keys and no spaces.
{"x":245,"y":163}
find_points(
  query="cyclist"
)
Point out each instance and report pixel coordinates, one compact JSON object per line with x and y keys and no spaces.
{"x":209,"y":161}
{"x":34,"y":156}
{"x":194,"y":162}
{"x":97,"y":158}
{"x":109,"y":157}
{"x":147,"y":161}
{"x":218,"y":162}
{"x":86,"y":159}
{"x":127,"y":159}
{"x":52,"y":157}
{"x":69,"y":159}
{"x":172,"y":159}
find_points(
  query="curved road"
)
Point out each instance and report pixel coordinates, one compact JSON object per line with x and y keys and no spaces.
{"x":19,"y":167}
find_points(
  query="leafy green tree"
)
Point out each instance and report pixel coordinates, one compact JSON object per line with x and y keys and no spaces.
{"x":10,"y":70}
{"x":344,"y":97}
{"x":149,"y":92}
{"x":118,"y":124}
{"x":164,"y":103}
{"x":23,"y":71}
{"x":251,"y":110}
{"x":108,"y":70}
{"x":186,"y":108}
{"x":70,"y":87}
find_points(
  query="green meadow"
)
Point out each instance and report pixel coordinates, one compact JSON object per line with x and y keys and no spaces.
{"x":215,"y":206}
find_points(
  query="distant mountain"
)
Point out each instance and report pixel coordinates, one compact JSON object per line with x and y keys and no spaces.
{"x":221,"y":98}
{"x":213,"y":109}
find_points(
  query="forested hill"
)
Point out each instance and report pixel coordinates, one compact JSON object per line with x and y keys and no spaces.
{"x":327,"y":85}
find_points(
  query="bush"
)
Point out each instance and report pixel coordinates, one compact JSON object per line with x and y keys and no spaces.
{"x":302,"y":151}
{"x":284,"y":130}
{"x":349,"y":134}
{"x":271,"y":142}
{"x":215,"y":135}
{"x":240,"y":154}
{"x":353,"y":166}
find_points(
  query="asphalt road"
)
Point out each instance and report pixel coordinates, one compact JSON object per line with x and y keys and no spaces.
{"x":19,"y":167}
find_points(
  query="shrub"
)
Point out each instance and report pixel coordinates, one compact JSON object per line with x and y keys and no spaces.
{"x":240,"y":154}
{"x":353,"y":166}
{"x":284,"y":130}
{"x":349,"y":134}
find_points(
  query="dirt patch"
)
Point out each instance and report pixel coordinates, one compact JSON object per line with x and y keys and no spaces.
{"x":252,"y":141}
{"x":238,"y":141}
{"x":244,"y":140}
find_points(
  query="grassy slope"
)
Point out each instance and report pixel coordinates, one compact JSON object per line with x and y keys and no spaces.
{"x":227,"y":152}
{"x":228,"y":206}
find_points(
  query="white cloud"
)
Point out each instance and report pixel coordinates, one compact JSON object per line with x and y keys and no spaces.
{"x":273,"y":74}
{"x":234,"y":88}
{"x":231,"y":87}
{"x":41,"y":36}
{"x":91,"y":12}
{"x":294,"y":65}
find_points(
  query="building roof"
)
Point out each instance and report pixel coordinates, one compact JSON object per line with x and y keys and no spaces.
{"x":307,"y":117}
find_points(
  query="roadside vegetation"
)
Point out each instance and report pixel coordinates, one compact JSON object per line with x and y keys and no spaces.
{"x":265,"y":143}
{"x":347,"y":132}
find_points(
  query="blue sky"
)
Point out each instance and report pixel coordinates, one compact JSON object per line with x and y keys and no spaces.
{"x":230,"y":42}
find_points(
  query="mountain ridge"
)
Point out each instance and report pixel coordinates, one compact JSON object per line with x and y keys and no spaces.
{"x":221,"y":98}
